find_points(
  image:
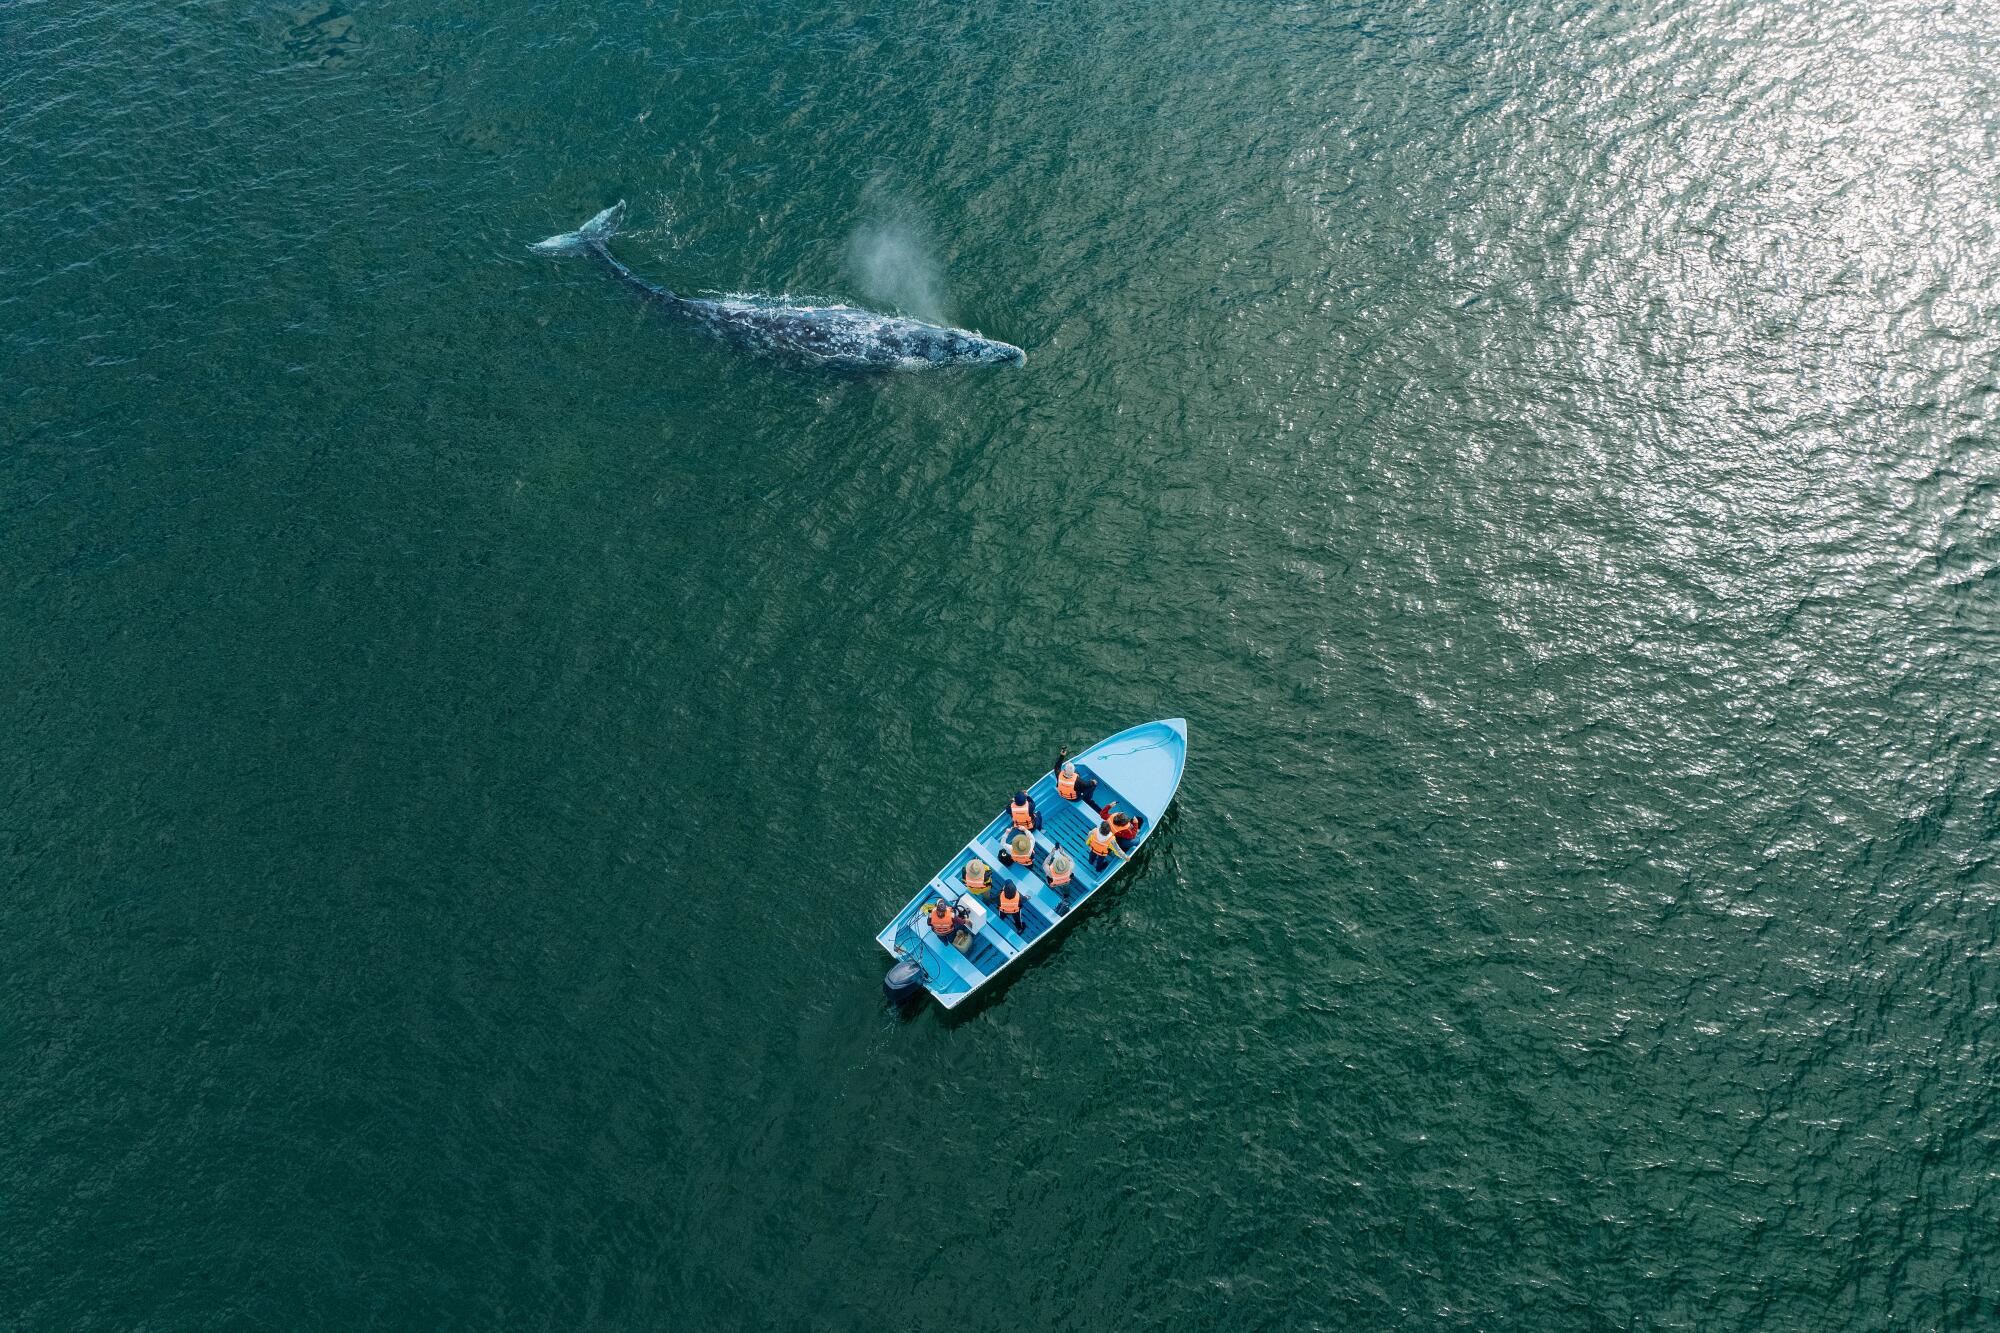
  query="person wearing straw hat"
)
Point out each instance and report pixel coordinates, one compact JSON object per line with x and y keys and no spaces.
{"x":1061,"y":870}
{"x":1020,"y":849}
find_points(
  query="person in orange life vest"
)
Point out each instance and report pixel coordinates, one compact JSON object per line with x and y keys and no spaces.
{"x":1071,"y":785}
{"x":1103,"y":846}
{"x":978,"y":877}
{"x":1022,"y":811}
{"x":1010,"y":907}
{"x":944,"y":919}
{"x":1020,"y":849}
{"x":1124,"y":827}
{"x":1060,"y":869}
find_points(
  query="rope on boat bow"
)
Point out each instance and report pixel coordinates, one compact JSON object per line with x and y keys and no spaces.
{"x":1137,"y":749}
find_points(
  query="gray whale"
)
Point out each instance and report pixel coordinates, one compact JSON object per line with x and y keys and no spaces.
{"x":836,"y":336}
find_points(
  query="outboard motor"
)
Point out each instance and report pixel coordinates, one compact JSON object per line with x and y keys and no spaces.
{"x":904,"y":983}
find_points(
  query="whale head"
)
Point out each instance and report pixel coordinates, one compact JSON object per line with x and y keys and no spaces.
{"x":969,"y":349}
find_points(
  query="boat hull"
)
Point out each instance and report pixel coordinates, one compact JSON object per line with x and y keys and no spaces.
{"x":1138,"y":771}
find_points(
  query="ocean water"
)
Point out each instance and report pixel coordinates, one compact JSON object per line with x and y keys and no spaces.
{"x":462,"y":731}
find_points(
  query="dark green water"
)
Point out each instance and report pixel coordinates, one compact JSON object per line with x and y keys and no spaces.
{"x":1546,"y":450}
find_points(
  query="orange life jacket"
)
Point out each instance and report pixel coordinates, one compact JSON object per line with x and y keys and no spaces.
{"x":1022,"y":855}
{"x":975,"y":876}
{"x":1100,"y":842}
{"x":1010,"y":899}
{"x":1024,"y":814}
{"x":943,"y":919}
{"x":1060,"y":879}
{"x":1066,"y":784}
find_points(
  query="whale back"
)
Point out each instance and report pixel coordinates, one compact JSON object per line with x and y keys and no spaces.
{"x":846,"y":336}
{"x":832,"y":335}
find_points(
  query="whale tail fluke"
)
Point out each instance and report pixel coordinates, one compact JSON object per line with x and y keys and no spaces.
{"x":592,"y":235}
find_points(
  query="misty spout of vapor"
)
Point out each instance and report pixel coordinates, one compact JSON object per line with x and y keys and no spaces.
{"x":895,"y":268}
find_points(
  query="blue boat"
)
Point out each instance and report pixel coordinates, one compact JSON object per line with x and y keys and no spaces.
{"x":1135,"y":772}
